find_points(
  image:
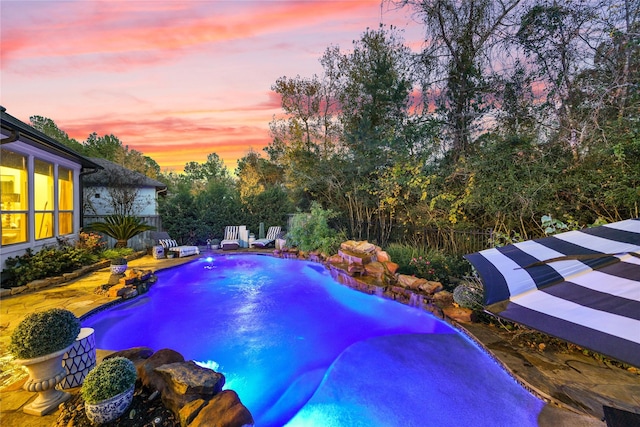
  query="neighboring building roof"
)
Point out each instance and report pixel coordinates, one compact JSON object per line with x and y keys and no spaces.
{"x":104,"y":177}
{"x":20,"y":131}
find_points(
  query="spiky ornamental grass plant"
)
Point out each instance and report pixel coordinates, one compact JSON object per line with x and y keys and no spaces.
{"x":121,"y":228}
{"x":110,"y":378}
{"x":44,"y":333}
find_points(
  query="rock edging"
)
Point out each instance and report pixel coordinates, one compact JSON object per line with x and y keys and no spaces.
{"x":65,"y":277}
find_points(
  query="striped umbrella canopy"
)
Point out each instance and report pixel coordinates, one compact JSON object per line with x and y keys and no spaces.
{"x":582,"y":286}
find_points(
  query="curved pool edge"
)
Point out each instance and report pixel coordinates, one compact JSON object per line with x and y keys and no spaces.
{"x":454,"y":325}
{"x":419,"y":366}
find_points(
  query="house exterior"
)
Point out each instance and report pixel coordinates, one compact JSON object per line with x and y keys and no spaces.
{"x":117,"y":190}
{"x":40,"y":188}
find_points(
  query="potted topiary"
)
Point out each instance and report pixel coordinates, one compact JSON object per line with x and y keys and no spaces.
{"x":118,"y":265}
{"x":108,"y":389}
{"x":39,"y":343}
{"x":215,"y":243}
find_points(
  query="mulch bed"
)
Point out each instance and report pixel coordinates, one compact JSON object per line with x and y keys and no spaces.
{"x":144,"y":411}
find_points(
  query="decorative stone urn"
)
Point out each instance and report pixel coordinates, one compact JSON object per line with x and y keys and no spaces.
{"x":118,"y":265}
{"x":110,"y":409}
{"x":44,"y":373}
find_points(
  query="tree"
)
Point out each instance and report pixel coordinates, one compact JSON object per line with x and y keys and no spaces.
{"x":554,"y":37}
{"x":49,"y":128}
{"x":198,"y":174}
{"x":459,"y":39}
{"x":106,"y":147}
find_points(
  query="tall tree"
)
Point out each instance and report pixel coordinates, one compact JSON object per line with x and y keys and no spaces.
{"x":555,"y":39}
{"x":459,"y":38}
{"x":51,"y":129}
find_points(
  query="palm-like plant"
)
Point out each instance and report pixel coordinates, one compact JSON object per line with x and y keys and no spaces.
{"x":120,"y":227}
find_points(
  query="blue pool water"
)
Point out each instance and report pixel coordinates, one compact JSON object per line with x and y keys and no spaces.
{"x":275,"y":328}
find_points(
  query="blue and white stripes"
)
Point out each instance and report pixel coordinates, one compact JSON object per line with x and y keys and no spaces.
{"x":581,"y":286}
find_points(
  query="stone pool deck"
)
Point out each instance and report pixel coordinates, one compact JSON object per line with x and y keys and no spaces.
{"x":576,"y":387}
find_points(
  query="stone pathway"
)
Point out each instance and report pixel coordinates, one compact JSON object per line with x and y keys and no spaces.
{"x":577,"y":386}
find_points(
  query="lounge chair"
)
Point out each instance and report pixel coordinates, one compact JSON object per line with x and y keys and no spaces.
{"x":270,"y":240}
{"x":231,"y":238}
{"x":171,"y":245}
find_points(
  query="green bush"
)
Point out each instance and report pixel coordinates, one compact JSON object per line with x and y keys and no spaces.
{"x":47,"y":262}
{"x":43,"y":333}
{"x":311,"y":231}
{"x":427,"y":263}
{"x":110,"y":378}
{"x":116,"y":253}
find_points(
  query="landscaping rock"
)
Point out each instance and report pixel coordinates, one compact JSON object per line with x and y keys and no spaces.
{"x":18,"y":289}
{"x":410,"y":282}
{"x":135,"y":354}
{"x":186,"y":381}
{"x":147,"y":374}
{"x":442,"y":299}
{"x":223,"y":410}
{"x":430,"y":288}
{"x":190,"y":411}
{"x":382,"y":256}
{"x":375,"y":269}
{"x":459,"y":314}
{"x":391,"y":267}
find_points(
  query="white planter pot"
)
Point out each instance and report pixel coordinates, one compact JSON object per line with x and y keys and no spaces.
{"x":44,"y":373}
{"x":118,"y":269}
{"x":110,"y":409}
{"x":79,"y":360}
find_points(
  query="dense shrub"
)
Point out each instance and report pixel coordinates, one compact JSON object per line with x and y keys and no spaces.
{"x":110,"y":378}
{"x":311,"y":231}
{"x":54,"y":261}
{"x":47,"y":262}
{"x":116,"y":253}
{"x":430,"y":264}
{"x":43,"y":333}
{"x":91,"y":242}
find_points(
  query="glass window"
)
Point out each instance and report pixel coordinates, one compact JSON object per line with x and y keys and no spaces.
{"x":65,"y":201}
{"x":43,"y":198}
{"x":13,"y":197}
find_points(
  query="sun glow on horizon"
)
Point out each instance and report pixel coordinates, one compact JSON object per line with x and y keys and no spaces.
{"x":175,"y":80}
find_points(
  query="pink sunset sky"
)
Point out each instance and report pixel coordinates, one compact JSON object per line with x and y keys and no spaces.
{"x":175,"y":80}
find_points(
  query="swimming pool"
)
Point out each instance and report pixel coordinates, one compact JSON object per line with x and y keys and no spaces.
{"x":285,"y":334}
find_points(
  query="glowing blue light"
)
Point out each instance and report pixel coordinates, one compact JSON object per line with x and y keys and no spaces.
{"x":278,"y":329}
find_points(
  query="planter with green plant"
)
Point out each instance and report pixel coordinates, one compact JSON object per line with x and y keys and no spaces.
{"x":39,"y":343}
{"x":108,"y":389}
{"x":118,"y":265}
{"x":215,"y":243}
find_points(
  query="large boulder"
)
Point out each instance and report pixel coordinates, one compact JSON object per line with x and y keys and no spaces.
{"x":186,"y":382}
{"x":443,"y":299}
{"x":411,"y":282}
{"x":382,"y":256}
{"x":146,"y":371}
{"x":391,"y":267}
{"x":430,"y":288}
{"x":375,"y":269}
